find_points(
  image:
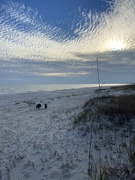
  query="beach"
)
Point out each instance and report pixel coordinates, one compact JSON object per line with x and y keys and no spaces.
{"x":46,"y":144}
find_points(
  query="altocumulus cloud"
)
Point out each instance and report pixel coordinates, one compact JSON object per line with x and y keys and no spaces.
{"x":35,"y":47}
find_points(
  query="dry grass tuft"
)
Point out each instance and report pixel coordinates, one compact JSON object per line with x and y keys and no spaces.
{"x":119,"y":109}
{"x":130,"y":87}
{"x":121,"y":105}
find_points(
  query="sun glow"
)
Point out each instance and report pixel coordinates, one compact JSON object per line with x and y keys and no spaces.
{"x":116,"y":45}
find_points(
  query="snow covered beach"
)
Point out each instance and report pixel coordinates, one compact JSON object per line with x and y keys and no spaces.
{"x":46,"y":144}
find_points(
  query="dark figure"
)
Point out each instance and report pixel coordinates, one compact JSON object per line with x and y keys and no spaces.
{"x":45,"y":106}
{"x":38,"y":106}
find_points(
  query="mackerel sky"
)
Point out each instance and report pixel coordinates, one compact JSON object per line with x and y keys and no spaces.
{"x":59,"y":41}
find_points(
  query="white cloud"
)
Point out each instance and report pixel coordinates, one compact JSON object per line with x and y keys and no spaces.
{"x":66,"y":74}
{"x":23,"y":35}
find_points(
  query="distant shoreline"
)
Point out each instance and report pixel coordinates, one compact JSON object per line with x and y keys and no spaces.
{"x":13,"y":89}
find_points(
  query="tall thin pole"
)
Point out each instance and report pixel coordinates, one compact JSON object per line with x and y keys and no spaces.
{"x":98,"y":74}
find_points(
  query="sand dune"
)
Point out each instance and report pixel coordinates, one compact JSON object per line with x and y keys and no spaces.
{"x":45,"y":144}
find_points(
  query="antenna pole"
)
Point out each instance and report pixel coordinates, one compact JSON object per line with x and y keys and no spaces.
{"x":98,"y":73}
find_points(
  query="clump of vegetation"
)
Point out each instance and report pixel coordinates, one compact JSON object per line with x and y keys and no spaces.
{"x":131,"y":152}
{"x":82,"y":116}
{"x":129,"y":87}
{"x":30,"y":103}
{"x":117,"y":173}
{"x":111,"y":116}
{"x":123,"y":105}
{"x":119,"y":109}
{"x":86,"y":112}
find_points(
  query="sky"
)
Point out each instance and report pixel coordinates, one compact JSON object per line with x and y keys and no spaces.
{"x":60,"y":41}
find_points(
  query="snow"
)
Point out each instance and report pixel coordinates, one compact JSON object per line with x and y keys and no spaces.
{"x":44,"y":144}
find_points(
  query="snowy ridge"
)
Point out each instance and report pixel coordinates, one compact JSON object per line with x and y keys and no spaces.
{"x":44,"y":144}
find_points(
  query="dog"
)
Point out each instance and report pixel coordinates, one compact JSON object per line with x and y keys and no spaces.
{"x":38,"y":106}
{"x":45,"y":106}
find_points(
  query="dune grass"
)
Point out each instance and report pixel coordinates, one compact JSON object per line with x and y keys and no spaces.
{"x":121,"y":107}
{"x":114,"y":114}
{"x":129,"y":87}
{"x":115,"y":107}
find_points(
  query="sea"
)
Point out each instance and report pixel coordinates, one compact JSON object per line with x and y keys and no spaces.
{"x":13,"y":89}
